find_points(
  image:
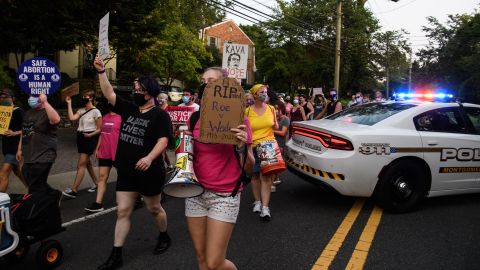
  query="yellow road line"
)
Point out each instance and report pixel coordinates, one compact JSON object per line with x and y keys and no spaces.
{"x":332,"y":248}
{"x":359,"y":255}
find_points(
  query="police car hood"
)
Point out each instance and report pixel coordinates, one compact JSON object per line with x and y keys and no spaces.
{"x":334,"y":127}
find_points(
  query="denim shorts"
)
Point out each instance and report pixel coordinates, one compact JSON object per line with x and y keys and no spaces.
{"x":221,"y":206}
{"x":10,"y":159}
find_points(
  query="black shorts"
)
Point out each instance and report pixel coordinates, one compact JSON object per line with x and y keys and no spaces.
{"x":106,"y":162}
{"x":148,"y":183}
{"x":86,"y":145}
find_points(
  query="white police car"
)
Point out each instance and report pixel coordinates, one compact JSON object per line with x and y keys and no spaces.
{"x":398,"y":152}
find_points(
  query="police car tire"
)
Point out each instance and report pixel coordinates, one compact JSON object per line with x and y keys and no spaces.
{"x":387,"y":195}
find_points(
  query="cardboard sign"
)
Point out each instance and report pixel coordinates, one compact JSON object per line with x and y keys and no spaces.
{"x":70,"y":90}
{"x":5,"y":117}
{"x":37,"y":76}
{"x":317,"y":91}
{"x":234,"y":61}
{"x":223,"y":108}
{"x":103,"y":48}
{"x":179,"y":115}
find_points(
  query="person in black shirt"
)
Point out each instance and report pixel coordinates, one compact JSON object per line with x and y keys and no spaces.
{"x":144,"y":135}
{"x":10,"y":140}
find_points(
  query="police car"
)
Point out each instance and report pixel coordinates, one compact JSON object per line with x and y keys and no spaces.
{"x":399,"y":152}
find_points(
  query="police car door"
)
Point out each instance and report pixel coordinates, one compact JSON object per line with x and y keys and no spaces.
{"x":449,"y":148}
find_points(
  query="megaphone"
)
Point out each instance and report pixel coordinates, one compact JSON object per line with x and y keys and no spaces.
{"x":183,"y":183}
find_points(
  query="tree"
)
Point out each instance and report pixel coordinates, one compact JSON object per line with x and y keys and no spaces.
{"x":177,"y":55}
{"x":451,"y":59}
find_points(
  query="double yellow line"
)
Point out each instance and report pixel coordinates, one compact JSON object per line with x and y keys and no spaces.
{"x":359,"y":255}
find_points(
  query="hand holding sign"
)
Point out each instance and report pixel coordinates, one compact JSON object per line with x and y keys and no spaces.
{"x":241,"y":135}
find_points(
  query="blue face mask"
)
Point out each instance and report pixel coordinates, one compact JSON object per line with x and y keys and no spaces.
{"x":185,"y":99}
{"x":33,"y":102}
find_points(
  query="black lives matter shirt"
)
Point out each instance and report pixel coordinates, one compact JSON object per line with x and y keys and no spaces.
{"x":10,"y":143}
{"x":139,"y":133}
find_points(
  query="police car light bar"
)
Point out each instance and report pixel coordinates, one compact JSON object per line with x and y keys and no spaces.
{"x":422,"y":96}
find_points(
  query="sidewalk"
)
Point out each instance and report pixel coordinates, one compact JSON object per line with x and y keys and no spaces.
{"x":61,"y":181}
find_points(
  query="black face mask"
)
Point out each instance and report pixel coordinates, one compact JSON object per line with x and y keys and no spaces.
{"x":139,"y":99}
{"x":85,"y":101}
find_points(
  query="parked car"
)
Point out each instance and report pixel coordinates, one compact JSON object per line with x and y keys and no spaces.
{"x":399,"y":152}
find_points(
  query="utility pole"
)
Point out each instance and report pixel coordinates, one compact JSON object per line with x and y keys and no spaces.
{"x":336,"y":83}
{"x":410,"y":74}
{"x":387,"y":69}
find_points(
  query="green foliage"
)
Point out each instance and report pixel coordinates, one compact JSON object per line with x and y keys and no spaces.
{"x":177,"y":55}
{"x":451,"y":59}
{"x":5,"y":80}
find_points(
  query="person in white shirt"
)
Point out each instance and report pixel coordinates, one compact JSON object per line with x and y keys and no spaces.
{"x":188,"y":99}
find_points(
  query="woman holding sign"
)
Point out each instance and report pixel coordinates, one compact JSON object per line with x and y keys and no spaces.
{"x":89,"y":124}
{"x":263,"y":120}
{"x":211,"y":216}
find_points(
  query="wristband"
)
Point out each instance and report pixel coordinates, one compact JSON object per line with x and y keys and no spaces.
{"x":101,"y":71}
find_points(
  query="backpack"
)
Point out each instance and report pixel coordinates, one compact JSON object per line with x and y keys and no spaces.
{"x":243,"y":179}
{"x":36,"y":214}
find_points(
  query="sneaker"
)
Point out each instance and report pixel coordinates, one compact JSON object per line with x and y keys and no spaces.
{"x":273,"y":188}
{"x":163,"y":244}
{"x":69,"y":193}
{"x":92,"y":189}
{"x":94,"y":207}
{"x":265,"y":214}
{"x":277,"y":181}
{"x":257,"y":206}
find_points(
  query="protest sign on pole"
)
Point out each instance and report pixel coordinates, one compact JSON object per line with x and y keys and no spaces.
{"x":234,"y":61}
{"x":223,"y":108}
{"x":37,"y":76}
{"x":5,"y":117}
{"x":70,"y":90}
{"x":103,"y":48}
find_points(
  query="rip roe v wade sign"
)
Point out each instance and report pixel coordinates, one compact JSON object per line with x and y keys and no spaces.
{"x":223,"y":107}
{"x":38,"y":76}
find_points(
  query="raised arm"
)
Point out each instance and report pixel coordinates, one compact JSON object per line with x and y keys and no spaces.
{"x":52,"y":114}
{"x":105,"y":85}
{"x":71,"y":116}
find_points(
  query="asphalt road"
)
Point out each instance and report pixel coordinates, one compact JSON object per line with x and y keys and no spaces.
{"x":309,"y":227}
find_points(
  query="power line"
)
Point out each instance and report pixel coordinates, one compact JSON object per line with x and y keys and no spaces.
{"x":275,"y":18}
{"x":243,"y":15}
{"x":397,"y":8}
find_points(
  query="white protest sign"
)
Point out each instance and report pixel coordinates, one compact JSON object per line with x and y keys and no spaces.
{"x":103,"y":49}
{"x":317,"y":91}
{"x":234,"y":61}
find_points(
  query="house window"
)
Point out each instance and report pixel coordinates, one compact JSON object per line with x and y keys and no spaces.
{"x":212,"y":41}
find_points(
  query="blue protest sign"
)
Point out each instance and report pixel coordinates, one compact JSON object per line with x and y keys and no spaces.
{"x":38,"y":76}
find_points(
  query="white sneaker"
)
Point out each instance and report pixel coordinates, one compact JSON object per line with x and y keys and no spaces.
{"x":273,"y":188}
{"x":265,"y":214}
{"x":257,"y":206}
{"x":92,"y":189}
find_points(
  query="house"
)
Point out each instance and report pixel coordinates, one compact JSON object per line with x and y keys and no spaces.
{"x":228,"y":31}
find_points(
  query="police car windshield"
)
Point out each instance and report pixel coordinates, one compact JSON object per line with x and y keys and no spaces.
{"x":370,"y":113}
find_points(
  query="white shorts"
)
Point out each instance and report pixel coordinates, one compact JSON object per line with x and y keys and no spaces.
{"x":211,"y":205}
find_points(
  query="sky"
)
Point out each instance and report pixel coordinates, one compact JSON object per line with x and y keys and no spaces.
{"x":409,"y":15}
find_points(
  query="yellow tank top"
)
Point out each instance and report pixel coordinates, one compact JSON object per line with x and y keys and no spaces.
{"x":262,"y":125}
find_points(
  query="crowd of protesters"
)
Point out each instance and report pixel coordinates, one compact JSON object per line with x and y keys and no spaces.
{"x":134,"y":137}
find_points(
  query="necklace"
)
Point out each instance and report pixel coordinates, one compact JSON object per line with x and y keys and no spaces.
{"x":146,"y":109}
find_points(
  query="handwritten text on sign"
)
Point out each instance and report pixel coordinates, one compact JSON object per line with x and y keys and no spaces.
{"x":5,"y":117}
{"x":223,"y":107}
{"x":234,"y":61}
